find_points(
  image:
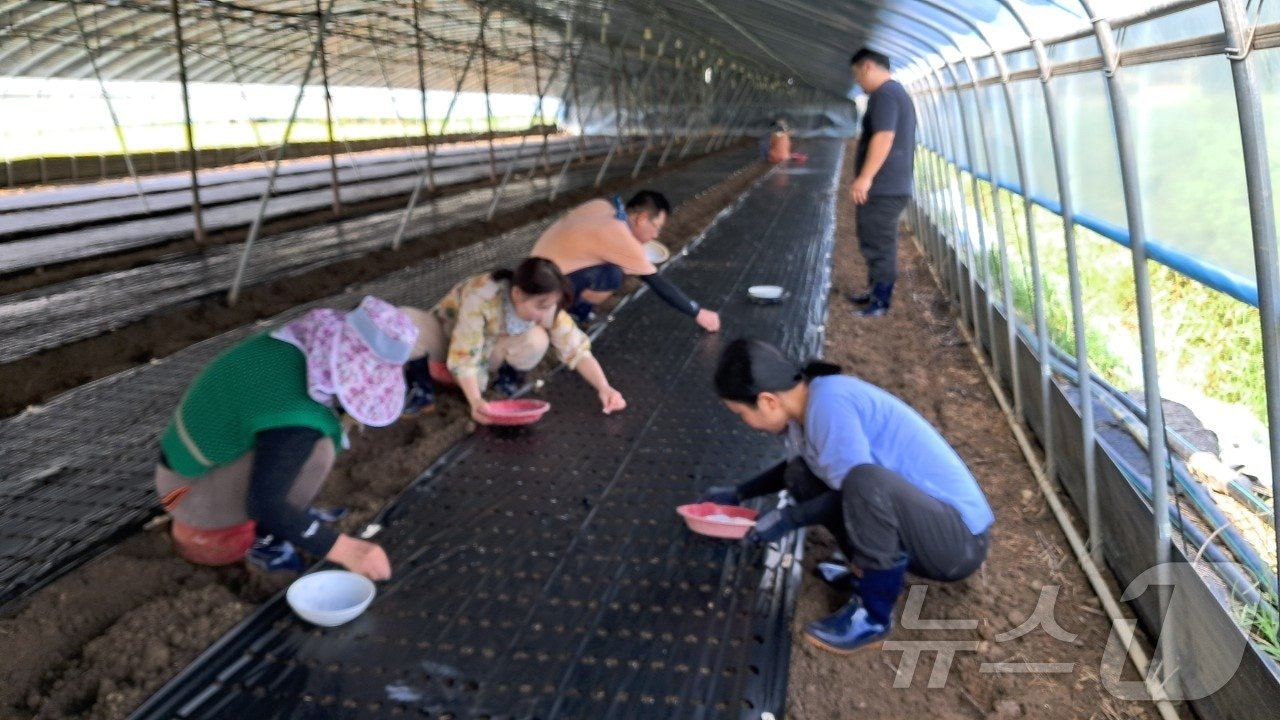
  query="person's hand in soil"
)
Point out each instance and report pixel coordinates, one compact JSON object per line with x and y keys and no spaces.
{"x":708,"y":320}
{"x":361,"y":557}
{"x":611,"y":400}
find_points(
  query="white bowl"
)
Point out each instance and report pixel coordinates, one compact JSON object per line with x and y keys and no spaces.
{"x":765,"y":292}
{"x":330,"y":597}
{"x":656,"y":252}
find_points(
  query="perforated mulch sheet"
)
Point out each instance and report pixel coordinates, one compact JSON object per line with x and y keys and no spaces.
{"x":543,"y":572}
{"x":77,"y":474}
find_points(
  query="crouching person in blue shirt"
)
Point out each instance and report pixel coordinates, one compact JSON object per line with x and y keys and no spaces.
{"x":866,"y":466}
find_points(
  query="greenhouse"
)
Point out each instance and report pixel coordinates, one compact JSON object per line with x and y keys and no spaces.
{"x":930,"y":351}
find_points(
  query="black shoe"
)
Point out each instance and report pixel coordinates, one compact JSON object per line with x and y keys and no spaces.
{"x":421,"y":398}
{"x":873,"y":311}
{"x":861,"y":298}
{"x":508,"y":380}
{"x":420,"y":395}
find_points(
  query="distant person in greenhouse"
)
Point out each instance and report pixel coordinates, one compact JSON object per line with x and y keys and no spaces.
{"x":883,"y":181}
{"x":256,"y":434}
{"x":866,"y":466}
{"x":780,"y":142}
{"x":597,"y":244}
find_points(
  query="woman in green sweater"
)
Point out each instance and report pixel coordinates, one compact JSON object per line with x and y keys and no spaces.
{"x":254,"y":437}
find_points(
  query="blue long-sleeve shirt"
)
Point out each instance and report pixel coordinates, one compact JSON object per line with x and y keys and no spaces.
{"x":849,"y":422}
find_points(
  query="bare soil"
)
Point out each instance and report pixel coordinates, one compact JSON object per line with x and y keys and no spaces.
{"x":97,"y":642}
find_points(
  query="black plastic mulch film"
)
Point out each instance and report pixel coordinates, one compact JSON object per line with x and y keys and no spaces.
{"x":543,"y":572}
{"x":78,"y":474}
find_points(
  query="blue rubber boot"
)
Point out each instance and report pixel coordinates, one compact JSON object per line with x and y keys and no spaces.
{"x":878,"y":304}
{"x":867,"y":619}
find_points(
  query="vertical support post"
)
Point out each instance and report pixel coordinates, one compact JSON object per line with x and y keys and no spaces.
{"x":1037,"y":281}
{"x":448,"y":113}
{"x":934,"y":213}
{"x":617,"y":110}
{"x":736,"y":109}
{"x":956,"y":212}
{"x":920,"y":194}
{"x":564,"y":169}
{"x":962,"y":233}
{"x":1157,"y":452}
{"x":422,"y":91}
{"x":1257,"y":173}
{"x":1007,"y":285}
{"x":1084,"y":373}
{"x":617,"y":93}
{"x":517,"y":156}
{"x":645,"y":84}
{"x":233,"y":294}
{"x":235,"y":72}
{"x":978,"y":267}
{"x":537,"y":83}
{"x":488,"y":107}
{"x":111,"y":109}
{"x":930,"y":101}
{"x":328,"y":113}
{"x":709,"y":99}
{"x":193,"y":161}
{"x":740,"y":90}
{"x":669,"y":109}
{"x":386,"y":81}
{"x":577,"y":102}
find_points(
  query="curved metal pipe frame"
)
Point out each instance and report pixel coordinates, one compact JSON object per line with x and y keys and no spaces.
{"x":1263,"y":225}
{"x":1157,"y":452}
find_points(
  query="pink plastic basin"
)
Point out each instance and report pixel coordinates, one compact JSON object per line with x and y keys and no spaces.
{"x":721,"y":521}
{"x":517,"y":412}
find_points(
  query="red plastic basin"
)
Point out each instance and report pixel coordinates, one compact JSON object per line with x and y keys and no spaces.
{"x":721,"y":521}
{"x":517,"y":412}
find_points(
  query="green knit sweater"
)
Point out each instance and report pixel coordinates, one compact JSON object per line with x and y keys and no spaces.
{"x":259,"y":384}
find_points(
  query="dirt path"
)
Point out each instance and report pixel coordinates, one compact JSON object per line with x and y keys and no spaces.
{"x":916,"y":353}
{"x":96,"y":643}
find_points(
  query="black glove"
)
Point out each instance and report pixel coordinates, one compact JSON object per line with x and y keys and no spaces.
{"x":721,"y":495}
{"x":772,"y":526}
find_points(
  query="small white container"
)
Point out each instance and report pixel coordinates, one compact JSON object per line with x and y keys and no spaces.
{"x":656,"y":252}
{"x":330,"y":597}
{"x":766,"y":293}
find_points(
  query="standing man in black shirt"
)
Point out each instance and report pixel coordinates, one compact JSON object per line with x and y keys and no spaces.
{"x":882,"y":188}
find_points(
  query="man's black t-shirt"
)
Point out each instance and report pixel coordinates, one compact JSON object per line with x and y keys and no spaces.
{"x":889,"y":108}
